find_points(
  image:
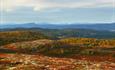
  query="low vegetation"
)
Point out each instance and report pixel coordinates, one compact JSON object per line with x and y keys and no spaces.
{"x":19,"y":36}
{"x":66,"y":47}
{"x":35,"y":50}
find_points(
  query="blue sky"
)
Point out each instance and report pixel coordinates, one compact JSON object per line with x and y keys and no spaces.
{"x":57,"y":11}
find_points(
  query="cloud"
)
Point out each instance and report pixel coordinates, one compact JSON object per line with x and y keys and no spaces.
{"x":37,"y":5}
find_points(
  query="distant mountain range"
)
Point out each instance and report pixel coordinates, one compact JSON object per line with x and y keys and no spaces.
{"x":110,"y":27}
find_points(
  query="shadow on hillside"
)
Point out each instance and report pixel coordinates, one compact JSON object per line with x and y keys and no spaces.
{"x":7,"y":51}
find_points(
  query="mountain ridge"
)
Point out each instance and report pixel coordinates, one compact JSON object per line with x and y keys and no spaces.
{"x":101,"y":26}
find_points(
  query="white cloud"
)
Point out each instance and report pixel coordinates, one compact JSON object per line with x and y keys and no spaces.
{"x":108,"y":1}
{"x":9,"y":5}
{"x":12,"y":4}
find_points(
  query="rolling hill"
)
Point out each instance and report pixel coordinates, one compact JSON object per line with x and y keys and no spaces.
{"x":17,"y":36}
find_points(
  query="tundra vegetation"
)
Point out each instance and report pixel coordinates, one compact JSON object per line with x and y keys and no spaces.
{"x":35,"y":50}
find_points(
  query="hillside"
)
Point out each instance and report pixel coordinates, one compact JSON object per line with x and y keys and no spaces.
{"x":85,"y":33}
{"x":65,"y":33}
{"x":65,"y":47}
{"x":56,"y":49}
{"x":64,"y":54}
{"x":17,"y":36}
{"x":40,"y":62}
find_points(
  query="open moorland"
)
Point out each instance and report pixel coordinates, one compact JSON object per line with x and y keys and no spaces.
{"x":56,"y":50}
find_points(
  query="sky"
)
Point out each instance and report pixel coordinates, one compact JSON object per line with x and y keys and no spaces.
{"x":57,"y":11}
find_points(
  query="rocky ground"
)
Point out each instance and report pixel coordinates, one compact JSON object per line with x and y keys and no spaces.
{"x":40,"y":62}
{"x":21,"y":61}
